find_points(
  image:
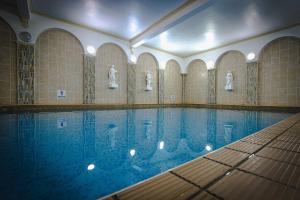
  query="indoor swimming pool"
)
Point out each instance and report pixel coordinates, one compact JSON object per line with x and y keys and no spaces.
{"x":90,"y":154}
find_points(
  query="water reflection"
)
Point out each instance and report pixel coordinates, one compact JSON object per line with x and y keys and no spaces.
{"x":86,"y":155}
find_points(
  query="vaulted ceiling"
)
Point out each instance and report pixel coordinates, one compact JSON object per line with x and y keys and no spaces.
{"x":181,"y":27}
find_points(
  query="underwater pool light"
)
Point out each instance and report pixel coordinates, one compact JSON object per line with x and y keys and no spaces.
{"x":132,"y":152}
{"x":91,"y":167}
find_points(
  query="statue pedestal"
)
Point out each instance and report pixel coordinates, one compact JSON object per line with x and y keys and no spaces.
{"x":148,"y":88}
{"x":113,"y":85}
{"x":228,"y":88}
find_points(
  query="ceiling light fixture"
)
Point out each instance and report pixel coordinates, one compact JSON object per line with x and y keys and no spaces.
{"x":138,"y":44}
{"x":251,"y":56}
{"x":91,"y":50}
{"x":210,"y":65}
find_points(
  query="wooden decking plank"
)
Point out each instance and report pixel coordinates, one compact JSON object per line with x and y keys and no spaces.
{"x":288,"y":146}
{"x":228,"y":156}
{"x":201,"y":172}
{"x":204,"y":196}
{"x":166,"y":186}
{"x":280,"y":155}
{"x":289,"y":138}
{"x":245,"y":147}
{"x":240,"y":185}
{"x":278,"y":171}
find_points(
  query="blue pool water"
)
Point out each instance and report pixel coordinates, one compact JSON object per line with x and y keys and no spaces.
{"x":90,"y":154}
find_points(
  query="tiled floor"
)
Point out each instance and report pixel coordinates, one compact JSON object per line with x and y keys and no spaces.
{"x":265,"y":165}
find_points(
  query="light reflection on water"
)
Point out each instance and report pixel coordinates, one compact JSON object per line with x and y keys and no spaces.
{"x":89,"y":154}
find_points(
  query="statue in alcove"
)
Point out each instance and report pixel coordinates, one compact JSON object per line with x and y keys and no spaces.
{"x":149,"y":78}
{"x":229,"y":81}
{"x":112,"y":77}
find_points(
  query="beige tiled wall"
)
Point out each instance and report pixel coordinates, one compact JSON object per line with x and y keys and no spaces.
{"x":279,"y":73}
{"x":173,"y":83}
{"x":8,"y":72}
{"x":235,"y":62}
{"x":58,"y":65}
{"x":146,"y":62}
{"x":107,"y":55}
{"x":196,"y":83}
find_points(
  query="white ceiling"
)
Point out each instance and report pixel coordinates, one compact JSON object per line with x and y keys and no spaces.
{"x":220,"y":23}
{"x":227,"y":21}
{"x":123,"y":18}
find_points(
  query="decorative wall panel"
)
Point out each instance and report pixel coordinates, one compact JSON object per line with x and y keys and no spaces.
{"x":161,"y":86}
{"x":252,"y":82}
{"x":211,"y":86}
{"x":25,"y":73}
{"x":89,"y":80}
{"x":131,"y":84}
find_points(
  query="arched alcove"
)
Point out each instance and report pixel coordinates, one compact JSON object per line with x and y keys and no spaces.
{"x":235,"y":62}
{"x":279,"y":73}
{"x":146,"y":62}
{"x":172,"y":83}
{"x":8,"y":66}
{"x":58,"y":66}
{"x":196,"y":83}
{"x":107,"y":55}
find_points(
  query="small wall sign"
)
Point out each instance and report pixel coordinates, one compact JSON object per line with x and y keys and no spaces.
{"x":61,"y":94}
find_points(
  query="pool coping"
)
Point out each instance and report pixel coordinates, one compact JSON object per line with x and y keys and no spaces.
{"x":289,"y":119}
{"x":72,"y":107}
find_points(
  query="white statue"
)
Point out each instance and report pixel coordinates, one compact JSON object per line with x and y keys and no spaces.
{"x":149,"y":78}
{"x":229,"y":81}
{"x":112,"y":77}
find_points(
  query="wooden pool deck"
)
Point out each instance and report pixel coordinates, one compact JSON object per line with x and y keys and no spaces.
{"x":264,"y":165}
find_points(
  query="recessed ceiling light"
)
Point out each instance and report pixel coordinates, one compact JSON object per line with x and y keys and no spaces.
{"x":133,"y":58}
{"x":91,"y":50}
{"x":210,"y":65}
{"x":251,"y":56}
{"x":138,"y":44}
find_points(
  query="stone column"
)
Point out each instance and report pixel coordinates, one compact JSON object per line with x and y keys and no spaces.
{"x":25,"y":73}
{"x":89,"y":79}
{"x":131,"y":84}
{"x":252,"y":83}
{"x":183,"y":87}
{"x":211,"y":86}
{"x":161,"y":86}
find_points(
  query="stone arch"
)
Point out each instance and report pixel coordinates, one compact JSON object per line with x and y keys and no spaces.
{"x":58,"y":66}
{"x":196,"y":82}
{"x":233,"y":61}
{"x":146,"y":61}
{"x":279,"y":72}
{"x":8,"y":64}
{"x":172,"y":83}
{"x":109,"y":54}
